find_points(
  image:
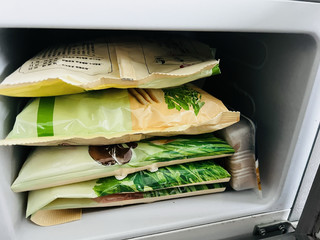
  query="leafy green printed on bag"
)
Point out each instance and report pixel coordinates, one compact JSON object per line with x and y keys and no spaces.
{"x":53,"y":166}
{"x":160,"y":149}
{"x":173,"y":148}
{"x":162,"y":193}
{"x":183,"y":97}
{"x":166,"y":177}
{"x":179,"y":190}
{"x":116,"y":116}
{"x":39,"y":200}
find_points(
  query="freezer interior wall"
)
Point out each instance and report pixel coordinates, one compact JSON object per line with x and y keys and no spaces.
{"x":264,"y":75}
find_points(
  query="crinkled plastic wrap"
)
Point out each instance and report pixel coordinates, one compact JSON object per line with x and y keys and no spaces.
{"x":116,"y":116}
{"x":53,"y":166}
{"x":93,"y":192}
{"x":101,"y":64}
{"x":243,"y":165}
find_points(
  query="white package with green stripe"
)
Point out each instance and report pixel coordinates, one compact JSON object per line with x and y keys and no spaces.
{"x":53,"y":166}
{"x":105,"y":63}
{"x":118,"y":115}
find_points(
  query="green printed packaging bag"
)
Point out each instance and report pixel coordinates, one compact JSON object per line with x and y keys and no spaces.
{"x":121,"y":199}
{"x":104,"y":63}
{"x":90,"y":192}
{"x":53,"y":166}
{"x":116,"y":116}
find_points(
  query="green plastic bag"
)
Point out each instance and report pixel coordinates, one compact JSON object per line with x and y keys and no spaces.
{"x":90,"y":193}
{"x":52,"y":166}
{"x":58,"y":211}
{"x":116,"y":116}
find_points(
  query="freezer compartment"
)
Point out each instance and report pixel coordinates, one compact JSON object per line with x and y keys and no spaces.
{"x":266,"y":76}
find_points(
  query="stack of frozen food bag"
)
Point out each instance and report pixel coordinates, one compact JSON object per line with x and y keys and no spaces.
{"x":145,"y":137}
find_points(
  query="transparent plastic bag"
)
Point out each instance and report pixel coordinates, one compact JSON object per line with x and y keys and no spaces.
{"x":242,"y":165}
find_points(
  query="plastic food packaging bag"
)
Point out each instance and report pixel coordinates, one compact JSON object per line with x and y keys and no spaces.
{"x":91,"y":193}
{"x":93,"y":65}
{"x":62,"y":213}
{"x":243,"y":165}
{"x":52,"y":166}
{"x":116,"y":116}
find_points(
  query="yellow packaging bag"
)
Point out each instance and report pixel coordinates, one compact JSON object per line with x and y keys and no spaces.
{"x":101,"y":64}
{"x":114,"y":116}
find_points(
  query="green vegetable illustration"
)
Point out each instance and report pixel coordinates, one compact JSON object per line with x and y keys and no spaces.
{"x":178,"y":175}
{"x":179,"y":190}
{"x":163,"y":149}
{"x":187,"y":147}
{"x":183,"y":97}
